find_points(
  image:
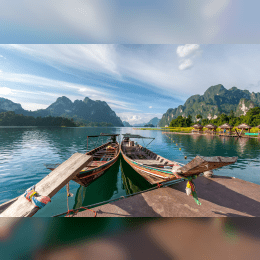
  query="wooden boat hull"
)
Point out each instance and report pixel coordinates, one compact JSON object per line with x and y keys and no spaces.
{"x":151,"y":174}
{"x":156,"y":169}
{"x":85,"y":177}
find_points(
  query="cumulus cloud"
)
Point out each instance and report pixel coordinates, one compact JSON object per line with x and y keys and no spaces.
{"x":185,"y":64}
{"x":150,"y":107}
{"x":187,"y":49}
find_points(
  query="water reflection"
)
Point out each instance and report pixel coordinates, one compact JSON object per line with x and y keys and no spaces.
{"x":119,"y":179}
{"x":25,"y":150}
{"x":132,"y":181}
{"x":101,"y":189}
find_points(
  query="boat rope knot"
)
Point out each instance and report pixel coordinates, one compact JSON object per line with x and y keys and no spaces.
{"x":159,"y":185}
{"x":191,"y":189}
{"x":38,"y":201}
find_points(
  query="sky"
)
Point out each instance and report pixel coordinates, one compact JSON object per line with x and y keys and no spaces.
{"x":138,"y":82}
{"x":130,"y":21}
{"x":140,"y":56}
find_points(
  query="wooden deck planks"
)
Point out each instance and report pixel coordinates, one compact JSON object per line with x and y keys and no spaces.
{"x":50,"y":185}
{"x":220,"y":196}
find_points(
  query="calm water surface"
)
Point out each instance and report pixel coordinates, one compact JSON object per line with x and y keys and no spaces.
{"x":24,"y":151}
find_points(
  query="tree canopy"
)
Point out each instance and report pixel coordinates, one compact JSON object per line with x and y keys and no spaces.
{"x":11,"y":119}
{"x":181,"y":122}
{"x":251,"y":118}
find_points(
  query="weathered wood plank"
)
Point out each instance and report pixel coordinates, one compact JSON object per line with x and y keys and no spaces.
{"x":6,"y":204}
{"x":200,"y":164}
{"x":50,"y":185}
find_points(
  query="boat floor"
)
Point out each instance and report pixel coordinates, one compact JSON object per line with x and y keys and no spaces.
{"x":107,"y":155}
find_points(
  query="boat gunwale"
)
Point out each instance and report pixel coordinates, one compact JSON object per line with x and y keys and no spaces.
{"x":151,"y":173}
{"x":168,"y":172}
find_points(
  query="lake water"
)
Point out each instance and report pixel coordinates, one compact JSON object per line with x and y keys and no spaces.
{"x":24,"y":151}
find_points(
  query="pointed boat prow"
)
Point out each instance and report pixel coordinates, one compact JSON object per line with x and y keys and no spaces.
{"x":201,"y":164}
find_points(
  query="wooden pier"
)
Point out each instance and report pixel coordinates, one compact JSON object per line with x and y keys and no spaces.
{"x":220,"y":196}
{"x":49,"y":186}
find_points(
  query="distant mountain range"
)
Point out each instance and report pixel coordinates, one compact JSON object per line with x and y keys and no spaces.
{"x":126,"y":124}
{"x":154,"y":121}
{"x":86,"y":111}
{"x":215,"y":101}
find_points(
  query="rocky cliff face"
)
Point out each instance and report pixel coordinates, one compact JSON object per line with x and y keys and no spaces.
{"x":8,"y":105}
{"x":216,"y":100}
{"x":88,"y":110}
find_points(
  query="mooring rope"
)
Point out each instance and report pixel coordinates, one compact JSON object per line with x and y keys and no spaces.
{"x":73,"y":211}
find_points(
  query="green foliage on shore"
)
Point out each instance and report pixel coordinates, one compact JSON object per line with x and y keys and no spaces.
{"x":95,"y":124}
{"x":181,"y":122}
{"x":251,"y":118}
{"x":11,"y":119}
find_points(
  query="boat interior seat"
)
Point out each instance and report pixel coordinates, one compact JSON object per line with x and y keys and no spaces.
{"x":150,"y":162}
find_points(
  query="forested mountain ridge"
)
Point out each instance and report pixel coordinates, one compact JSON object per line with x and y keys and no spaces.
{"x":215,"y":101}
{"x":86,"y":111}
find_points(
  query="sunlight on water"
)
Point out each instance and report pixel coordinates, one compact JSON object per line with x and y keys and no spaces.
{"x":24,"y":151}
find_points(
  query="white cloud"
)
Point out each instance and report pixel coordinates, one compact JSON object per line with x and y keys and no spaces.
{"x":150,"y":107}
{"x":187,"y":49}
{"x":80,"y":90}
{"x":57,"y":84}
{"x":33,"y":106}
{"x":101,"y":57}
{"x":185,"y":64}
{"x":5,"y":91}
{"x":137,"y":118}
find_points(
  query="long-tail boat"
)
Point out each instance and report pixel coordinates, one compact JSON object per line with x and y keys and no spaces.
{"x":104,"y":157}
{"x":156,"y":169}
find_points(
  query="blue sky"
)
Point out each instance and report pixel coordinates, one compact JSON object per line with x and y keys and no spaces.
{"x":138,"y":82}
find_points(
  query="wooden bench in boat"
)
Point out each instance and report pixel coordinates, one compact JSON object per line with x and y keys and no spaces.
{"x":155,"y":163}
{"x":94,"y":164}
